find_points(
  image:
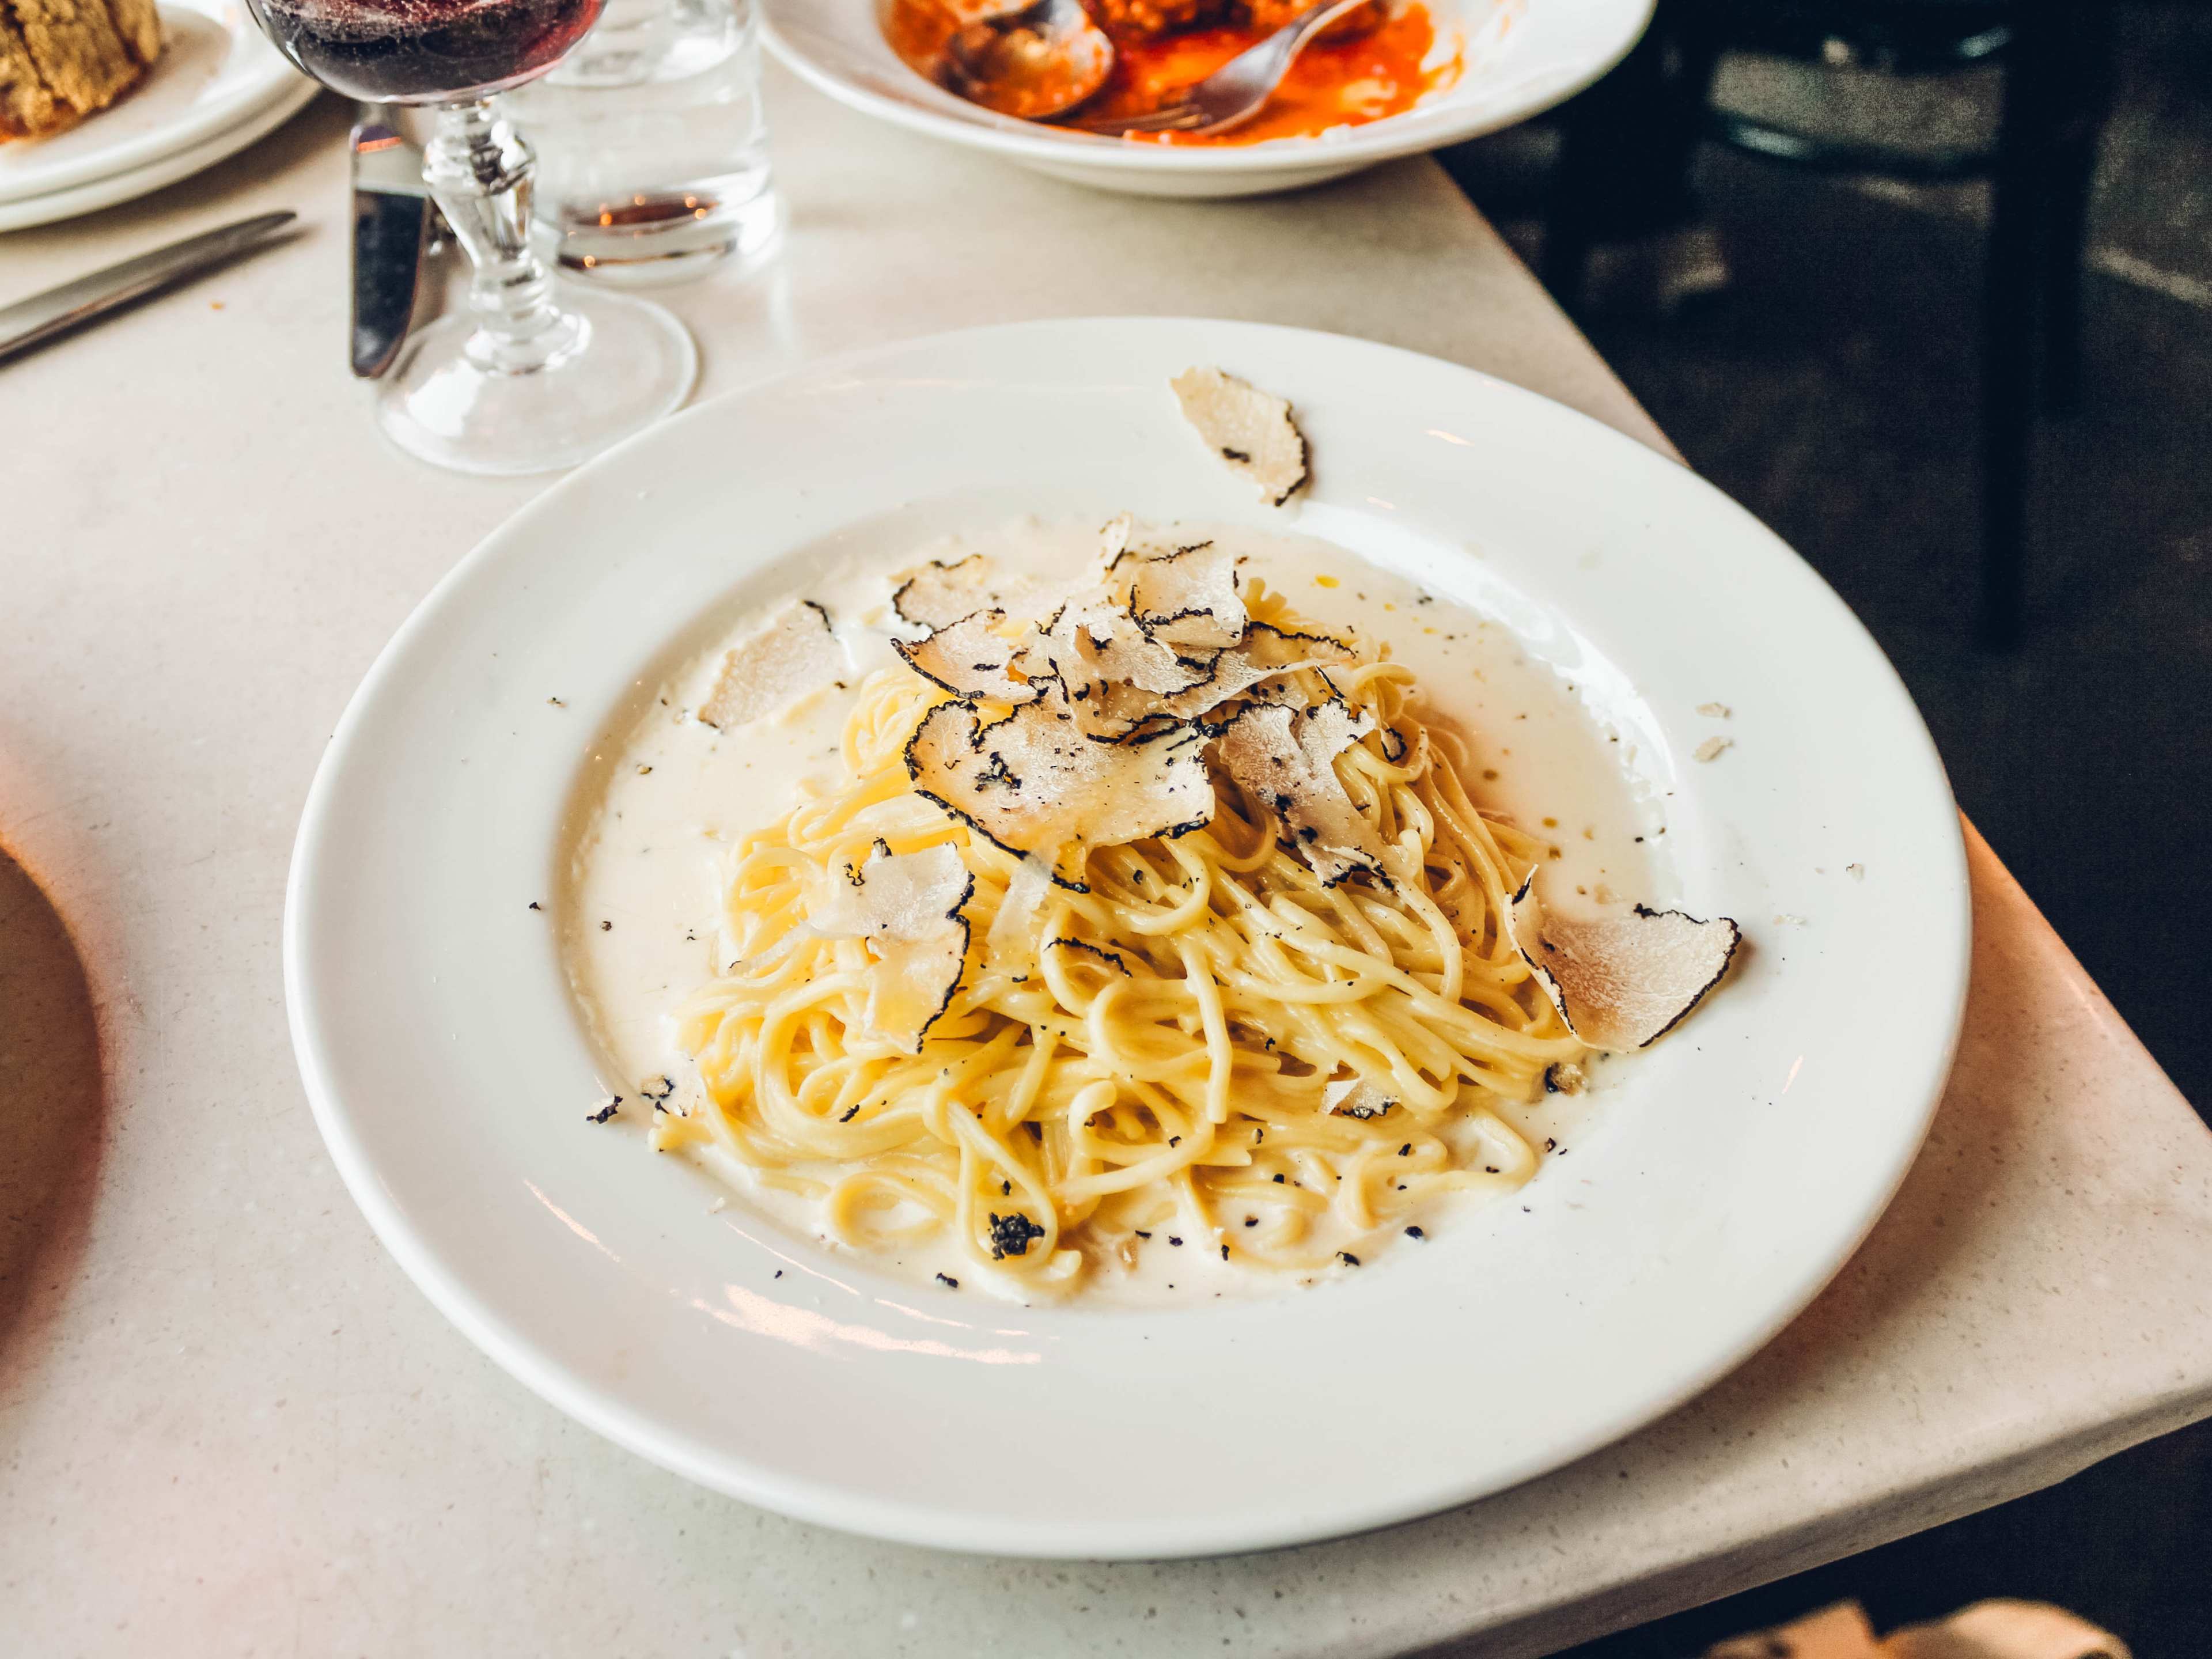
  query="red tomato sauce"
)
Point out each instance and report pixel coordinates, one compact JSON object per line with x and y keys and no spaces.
{"x":1348,"y":81}
{"x":1334,"y":83}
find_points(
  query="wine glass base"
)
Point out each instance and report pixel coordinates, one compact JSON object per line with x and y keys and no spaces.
{"x":632,"y":364}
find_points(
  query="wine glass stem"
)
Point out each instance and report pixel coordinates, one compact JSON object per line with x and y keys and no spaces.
{"x":478,"y":168}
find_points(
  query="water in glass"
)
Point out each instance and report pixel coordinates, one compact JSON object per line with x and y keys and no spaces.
{"x":651,"y":150}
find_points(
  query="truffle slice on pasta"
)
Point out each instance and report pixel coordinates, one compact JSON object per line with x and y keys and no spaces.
{"x":1265,"y":653}
{"x":1115,"y":674}
{"x":1036,"y":785}
{"x":1096,"y":639}
{"x":969,"y":658}
{"x":1114,"y":540}
{"x":1622,"y":981}
{"x":1188,"y":597}
{"x":910,"y":909}
{"x":938,"y":594}
{"x":794,"y":653}
{"x":1286,"y":758}
{"x":1246,"y":426}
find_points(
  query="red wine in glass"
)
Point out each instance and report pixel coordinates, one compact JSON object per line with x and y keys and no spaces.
{"x":419,"y":51}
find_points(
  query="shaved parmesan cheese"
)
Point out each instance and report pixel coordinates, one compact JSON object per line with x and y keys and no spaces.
{"x":1015,"y":926}
{"x":1622,"y":981}
{"x":793,"y":654}
{"x":1250,"y":431}
{"x":1035,"y":784}
{"x":1354,"y":1097}
{"x":913,"y":983}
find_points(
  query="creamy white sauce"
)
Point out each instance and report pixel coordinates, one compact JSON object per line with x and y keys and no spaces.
{"x":665,"y":797}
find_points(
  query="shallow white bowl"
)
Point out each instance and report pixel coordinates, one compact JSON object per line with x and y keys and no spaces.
{"x":1523,"y":57}
{"x":1725,"y":1177}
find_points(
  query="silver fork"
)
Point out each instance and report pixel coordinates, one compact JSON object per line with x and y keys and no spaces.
{"x":1235,"y":92}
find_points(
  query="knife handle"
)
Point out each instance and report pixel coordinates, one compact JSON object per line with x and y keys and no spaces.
{"x":388,"y":234}
{"x":391,"y":225}
{"x":30,"y":323}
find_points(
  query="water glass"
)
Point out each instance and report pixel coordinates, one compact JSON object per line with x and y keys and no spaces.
{"x":653,"y":159}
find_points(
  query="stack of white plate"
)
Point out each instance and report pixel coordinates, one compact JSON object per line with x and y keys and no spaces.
{"x":217,"y":87}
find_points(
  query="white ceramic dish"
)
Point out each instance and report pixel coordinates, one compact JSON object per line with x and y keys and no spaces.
{"x":1736,"y":1168}
{"x":216,"y":70}
{"x":117,"y":188}
{"x":1523,"y":57}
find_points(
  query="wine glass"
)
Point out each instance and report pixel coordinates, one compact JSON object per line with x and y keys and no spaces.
{"x":524,"y":382}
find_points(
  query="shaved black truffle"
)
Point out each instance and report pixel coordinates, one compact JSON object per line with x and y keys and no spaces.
{"x":1111,"y":958}
{"x":1011,"y":1234}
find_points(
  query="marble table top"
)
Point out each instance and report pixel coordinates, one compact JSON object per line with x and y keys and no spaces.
{"x":230,"y":1426}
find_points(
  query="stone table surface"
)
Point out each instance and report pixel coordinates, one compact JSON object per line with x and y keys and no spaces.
{"x":230,"y":1426}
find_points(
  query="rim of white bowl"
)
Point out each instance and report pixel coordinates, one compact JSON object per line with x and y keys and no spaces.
{"x":1423,"y":128}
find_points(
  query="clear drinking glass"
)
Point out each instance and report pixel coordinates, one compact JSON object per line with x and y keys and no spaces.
{"x":652,"y":160}
{"x":523,"y":382}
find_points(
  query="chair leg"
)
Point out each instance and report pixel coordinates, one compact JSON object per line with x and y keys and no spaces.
{"x":2010,"y":282}
{"x":2068,"y":174}
{"x":1580,"y":191}
{"x":1564,"y":260}
{"x":2067,"y":177}
{"x":1626,"y":147}
{"x":2008,"y":406}
{"x":2008,"y":396}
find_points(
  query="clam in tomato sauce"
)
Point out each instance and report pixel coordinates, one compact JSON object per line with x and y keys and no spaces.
{"x":1380,"y":61}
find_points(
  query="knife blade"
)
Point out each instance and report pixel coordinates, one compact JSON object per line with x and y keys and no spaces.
{"x":391,"y":221}
{"x":29,"y":324}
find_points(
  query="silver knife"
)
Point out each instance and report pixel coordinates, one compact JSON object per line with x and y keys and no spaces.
{"x":391,"y":221}
{"x":29,"y":324}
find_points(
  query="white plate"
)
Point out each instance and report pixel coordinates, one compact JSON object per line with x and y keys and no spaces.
{"x":1729,"y":1176}
{"x":128,"y":186}
{"x":216,"y":70}
{"x":1523,"y":57}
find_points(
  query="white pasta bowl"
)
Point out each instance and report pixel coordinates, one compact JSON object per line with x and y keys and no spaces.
{"x":1522,"y":57}
{"x":1724,"y":1178}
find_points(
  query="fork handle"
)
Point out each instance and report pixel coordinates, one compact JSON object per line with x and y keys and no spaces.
{"x":1271,"y":57}
{"x":1288,"y":41}
{"x":1312,"y":21}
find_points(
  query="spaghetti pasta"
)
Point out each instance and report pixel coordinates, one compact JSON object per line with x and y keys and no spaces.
{"x":1203,"y":1041}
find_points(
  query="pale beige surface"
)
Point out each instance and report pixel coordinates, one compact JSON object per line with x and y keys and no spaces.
{"x":230,"y":1426}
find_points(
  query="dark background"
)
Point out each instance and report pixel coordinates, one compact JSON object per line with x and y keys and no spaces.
{"x":1830,"y":387}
